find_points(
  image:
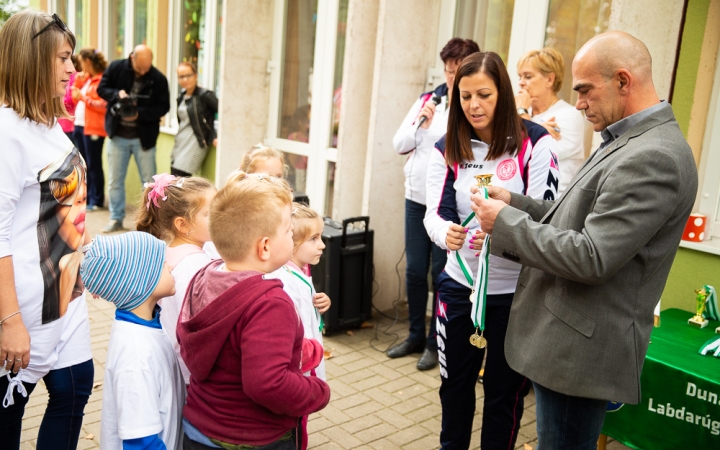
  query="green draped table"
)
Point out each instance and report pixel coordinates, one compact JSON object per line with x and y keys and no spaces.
{"x":680,"y":407}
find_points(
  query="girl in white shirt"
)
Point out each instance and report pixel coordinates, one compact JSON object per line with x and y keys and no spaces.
{"x":178,"y":210}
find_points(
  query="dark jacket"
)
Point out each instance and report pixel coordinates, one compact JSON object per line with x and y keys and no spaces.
{"x":201,"y":107}
{"x":243,"y":350}
{"x":120,"y":76}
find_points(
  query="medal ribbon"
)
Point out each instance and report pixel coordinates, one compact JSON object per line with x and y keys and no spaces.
{"x":312,"y":295}
{"x":479,"y":284}
{"x":479,"y":292}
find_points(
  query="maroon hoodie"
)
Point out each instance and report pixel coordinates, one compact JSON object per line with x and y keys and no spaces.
{"x":243,"y":350}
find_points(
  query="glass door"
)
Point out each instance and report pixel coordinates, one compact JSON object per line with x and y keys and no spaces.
{"x":306,"y":81}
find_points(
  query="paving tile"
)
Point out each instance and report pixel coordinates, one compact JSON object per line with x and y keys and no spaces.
{"x":396,"y":419}
{"x":342,"y":438}
{"x":375,"y":433}
{"x":384,"y":444}
{"x":408,"y":435}
{"x":361,"y":423}
{"x":364,"y":409}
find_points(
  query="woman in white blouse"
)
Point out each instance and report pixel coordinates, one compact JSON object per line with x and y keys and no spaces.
{"x":541,"y":76}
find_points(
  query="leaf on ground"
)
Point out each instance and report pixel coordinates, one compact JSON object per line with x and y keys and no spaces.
{"x":350,"y":333}
{"x":367,"y":324}
{"x":327,"y":354}
{"x":89,"y":437}
{"x":97,"y":385}
{"x":527,"y":446}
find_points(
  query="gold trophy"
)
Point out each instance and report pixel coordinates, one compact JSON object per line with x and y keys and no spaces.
{"x":484,"y":180}
{"x":698,"y":320}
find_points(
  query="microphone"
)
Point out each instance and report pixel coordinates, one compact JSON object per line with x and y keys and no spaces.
{"x":435,"y":99}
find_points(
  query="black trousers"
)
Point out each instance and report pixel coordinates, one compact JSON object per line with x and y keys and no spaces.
{"x":460,"y":364}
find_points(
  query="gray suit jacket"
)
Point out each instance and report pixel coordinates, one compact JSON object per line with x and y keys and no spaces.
{"x":595,"y":263}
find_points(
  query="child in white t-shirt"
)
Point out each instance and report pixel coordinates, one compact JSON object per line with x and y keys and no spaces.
{"x":178,"y":210}
{"x":307,"y":250}
{"x":144,"y":392}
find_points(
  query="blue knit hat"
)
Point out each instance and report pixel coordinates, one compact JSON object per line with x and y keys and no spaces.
{"x":123,"y":269}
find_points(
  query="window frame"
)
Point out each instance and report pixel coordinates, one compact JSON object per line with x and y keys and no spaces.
{"x":708,"y":199}
{"x":317,"y":149}
{"x":169,"y":124}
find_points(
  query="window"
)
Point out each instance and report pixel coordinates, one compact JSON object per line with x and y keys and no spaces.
{"x":709,"y":195}
{"x":116,"y":30}
{"x":305,"y":85}
{"x":570,"y":24}
{"x":487,"y":22}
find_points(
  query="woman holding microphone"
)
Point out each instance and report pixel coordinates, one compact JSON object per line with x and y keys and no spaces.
{"x":485,"y":135}
{"x":425,"y":123}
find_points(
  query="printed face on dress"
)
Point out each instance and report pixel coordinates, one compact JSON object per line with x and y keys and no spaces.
{"x":533,"y":82}
{"x":63,"y":68}
{"x":478,"y":98}
{"x":310,"y":251}
{"x":71,"y":211}
{"x":270,"y":166}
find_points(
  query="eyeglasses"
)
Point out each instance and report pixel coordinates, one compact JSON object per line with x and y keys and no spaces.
{"x":56,"y":20}
{"x":185,"y":77}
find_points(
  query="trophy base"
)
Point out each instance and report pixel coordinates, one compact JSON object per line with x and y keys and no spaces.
{"x":697,"y":322}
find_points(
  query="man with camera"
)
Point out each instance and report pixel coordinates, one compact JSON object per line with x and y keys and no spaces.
{"x":138,"y":97}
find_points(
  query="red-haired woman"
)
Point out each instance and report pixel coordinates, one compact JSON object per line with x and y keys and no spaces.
{"x":418,"y":141}
{"x":485,"y":135}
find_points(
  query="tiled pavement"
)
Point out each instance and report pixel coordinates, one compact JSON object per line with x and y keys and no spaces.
{"x":377,"y":403}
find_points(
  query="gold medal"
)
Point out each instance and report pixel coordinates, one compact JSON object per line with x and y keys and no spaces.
{"x":480,"y":342}
{"x":474,"y":338}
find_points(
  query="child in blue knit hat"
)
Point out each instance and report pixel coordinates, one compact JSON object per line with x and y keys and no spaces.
{"x":144,"y":391}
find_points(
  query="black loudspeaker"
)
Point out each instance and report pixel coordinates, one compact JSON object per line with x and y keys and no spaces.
{"x":301,"y":197}
{"x":344,"y":272}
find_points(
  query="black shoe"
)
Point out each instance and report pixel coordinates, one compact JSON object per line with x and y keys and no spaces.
{"x":405,"y":348}
{"x":428,"y":360}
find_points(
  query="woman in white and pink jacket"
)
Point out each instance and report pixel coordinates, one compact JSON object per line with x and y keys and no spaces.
{"x":485,"y":136}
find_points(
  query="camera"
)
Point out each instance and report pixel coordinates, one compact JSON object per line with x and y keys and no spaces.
{"x":126,"y":107}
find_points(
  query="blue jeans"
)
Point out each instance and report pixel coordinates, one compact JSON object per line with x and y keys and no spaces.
{"x":68,"y":390}
{"x":420,"y":250}
{"x":565,"y":422}
{"x":95,"y":174}
{"x":119,"y":152}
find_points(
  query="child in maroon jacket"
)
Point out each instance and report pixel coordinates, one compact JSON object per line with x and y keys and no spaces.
{"x":240,"y":334}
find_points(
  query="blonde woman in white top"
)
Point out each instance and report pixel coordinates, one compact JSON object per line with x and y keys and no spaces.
{"x":541,"y":77}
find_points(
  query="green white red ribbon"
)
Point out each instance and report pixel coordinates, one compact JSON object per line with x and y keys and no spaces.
{"x":478,"y":295}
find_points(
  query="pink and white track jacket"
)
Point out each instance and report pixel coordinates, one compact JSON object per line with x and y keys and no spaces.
{"x":533,"y":171}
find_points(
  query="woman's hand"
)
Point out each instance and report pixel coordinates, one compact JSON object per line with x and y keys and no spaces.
{"x":322,"y":302}
{"x":476,"y":241}
{"x":428,"y":111}
{"x":455,"y":236}
{"x":75,"y":93}
{"x":552,"y":128}
{"x":14,"y":344}
{"x":522,"y":99}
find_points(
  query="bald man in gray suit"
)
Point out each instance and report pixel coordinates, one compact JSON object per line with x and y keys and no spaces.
{"x":595,"y":261}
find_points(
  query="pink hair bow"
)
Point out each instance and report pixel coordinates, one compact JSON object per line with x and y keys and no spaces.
{"x":162,"y":181}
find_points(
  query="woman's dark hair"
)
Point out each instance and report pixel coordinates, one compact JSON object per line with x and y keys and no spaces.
{"x":507,"y":127}
{"x":458,"y":49}
{"x":97,"y":59}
